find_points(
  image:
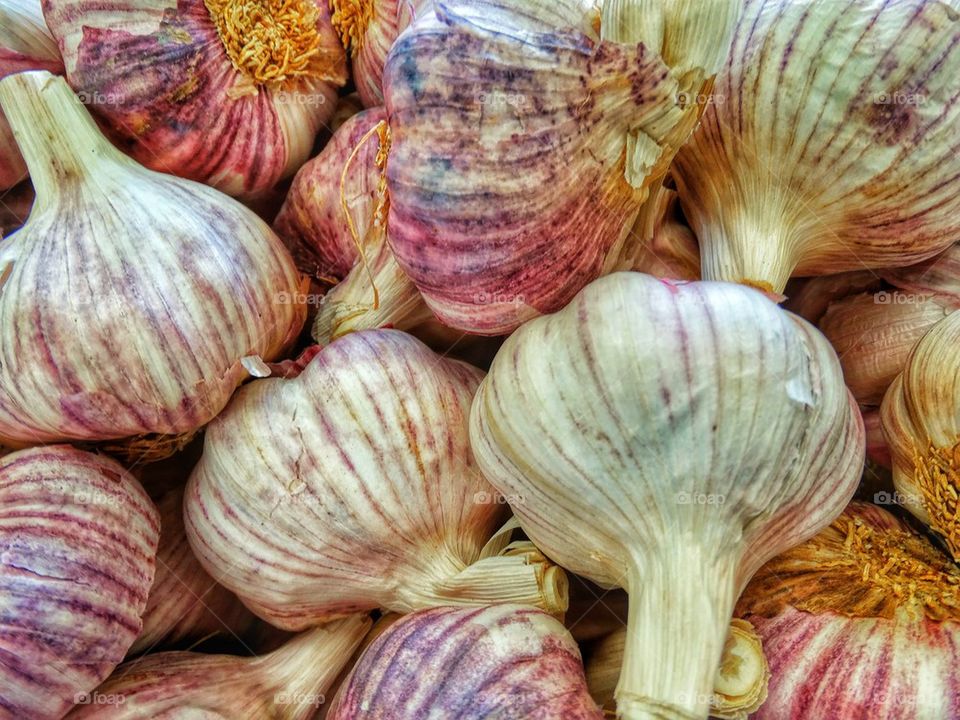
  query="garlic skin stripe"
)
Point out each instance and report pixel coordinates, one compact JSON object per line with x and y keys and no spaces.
{"x":921,"y":421}
{"x":527,"y":135}
{"x":832,"y":143}
{"x":130,"y":297}
{"x":502,"y":661}
{"x":288,"y":684}
{"x":78,"y":537}
{"x":352,"y":487}
{"x":230,"y":93}
{"x":705,"y":426}
{"x":25,"y":44}
{"x":861,"y":621}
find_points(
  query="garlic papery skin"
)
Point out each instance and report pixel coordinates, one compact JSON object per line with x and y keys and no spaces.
{"x":130,"y":297}
{"x":878,"y":451}
{"x":368,"y":29}
{"x":15,"y":206}
{"x":862,"y":621}
{"x":740,"y":686}
{"x":230,"y":93}
{"x":185,"y":603}
{"x":831,"y":143}
{"x":25,"y":44}
{"x":288,"y":684}
{"x":708,"y":430}
{"x":502,"y":661}
{"x":873,"y":334}
{"x":811,"y":297}
{"x":352,"y":487}
{"x":921,"y":420}
{"x":669,"y":248}
{"x":78,"y":536}
{"x":525,"y":140}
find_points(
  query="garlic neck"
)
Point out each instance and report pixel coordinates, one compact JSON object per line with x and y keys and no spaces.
{"x":679,"y":616}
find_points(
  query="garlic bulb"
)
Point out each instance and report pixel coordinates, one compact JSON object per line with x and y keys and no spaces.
{"x":921,"y":420}
{"x":740,"y":685}
{"x":703,"y":426}
{"x":810,"y":297}
{"x":503,"y":661}
{"x":78,"y":536}
{"x":878,"y":451}
{"x":352,"y":487}
{"x":185,"y":603}
{"x":527,"y":135}
{"x":862,"y":621}
{"x":668,"y":247}
{"x":130,"y":297}
{"x":287,"y":684}
{"x":368,"y":29}
{"x":25,"y":44}
{"x":831,"y":142}
{"x":226,"y":92}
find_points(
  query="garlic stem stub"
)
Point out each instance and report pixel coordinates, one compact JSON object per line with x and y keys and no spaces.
{"x":740,"y":686}
{"x":502,"y":661}
{"x":921,"y":420}
{"x":230,"y":93}
{"x":705,"y":426}
{"x":831,"y":143}
{"x":130,"y":298}
{"x":288,"y":684}
{"x":525,"y":138}
{"x":78,"y":538}
{"x":352,"y":487}
{"x":861,"y":621}
{"x":25,"y":44}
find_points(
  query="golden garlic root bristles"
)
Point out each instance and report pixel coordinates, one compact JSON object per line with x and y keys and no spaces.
{"x":937,"y":478}
{"x":350,"y":19}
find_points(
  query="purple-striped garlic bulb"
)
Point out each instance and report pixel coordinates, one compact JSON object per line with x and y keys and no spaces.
{"x":921,"y":420}
{"x":130,"y":298}
{"x":526,"y":136}
{"x":352,"y":487}
{"x":230,"y":93}
{"x":668,"y":438}
{"x":368,"y":29}
{"x":861,"y":621}
{"x":740,"y":685}
{"x":831,"y":143}
{"x":25,"y":44}
{"x":501,"y":661}
{"x":287,"y":684}
{"x":78,"y":538}
{"x":185,"y":603}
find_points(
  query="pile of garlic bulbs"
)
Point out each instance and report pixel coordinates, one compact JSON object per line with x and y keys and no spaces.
{"x":479,"y":359}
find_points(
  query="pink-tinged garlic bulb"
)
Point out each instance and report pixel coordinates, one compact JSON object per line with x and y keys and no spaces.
{"x":921,"y":420}
{"x":526,"y":137}
{"x":78,"y":537}
{"x":810,"y":297}
{"x":740,"y":685}
{"x":831,"y":143}
{"x":669,"y":438}
{"x":862,"y":621}
{"x":368,"y":29}
{"x":352,"y":487}
{"x":185,"y":603}
{"x":288,"y":684}
{"x":503,"y":661}
{"x":667,"y":246}
{"x":878,"y":451}
{"x":230,"y":93}
{"x":130,"y":297}
{"x":25,"y":44}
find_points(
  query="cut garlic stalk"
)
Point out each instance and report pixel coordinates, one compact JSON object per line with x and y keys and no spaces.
{"x":504,"y":661}
{"x":352,"y":487}
{"x":740,"y":685}
{"x":862,"y":621}
{"x":705,"y":427}
{"x":78,"y":537}
{"x":230,"y":93}
{"x":921,"y":419}
{"x":527,"y":135}
{"x":288,"y":684}
{"x":831,"y":142}
{"x":130,"y":298}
